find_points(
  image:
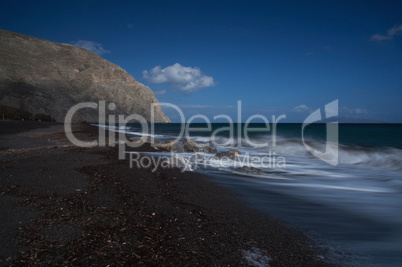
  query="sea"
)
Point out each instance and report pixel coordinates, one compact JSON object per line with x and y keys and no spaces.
{"x":348,"y":200}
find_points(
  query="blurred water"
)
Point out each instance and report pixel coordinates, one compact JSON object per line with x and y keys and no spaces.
{"x":353,"y":211}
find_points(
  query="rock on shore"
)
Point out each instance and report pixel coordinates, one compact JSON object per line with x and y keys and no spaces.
{"x":191,"y":146}
{"x":231,"y":154}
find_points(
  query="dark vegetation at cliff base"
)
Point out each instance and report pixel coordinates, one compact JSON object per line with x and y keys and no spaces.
{"x":11,"y":113}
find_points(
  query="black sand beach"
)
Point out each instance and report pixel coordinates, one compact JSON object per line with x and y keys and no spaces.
{"x":64,"y":205}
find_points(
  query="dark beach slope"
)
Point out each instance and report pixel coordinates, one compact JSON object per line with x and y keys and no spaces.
{"x":66,"y":205}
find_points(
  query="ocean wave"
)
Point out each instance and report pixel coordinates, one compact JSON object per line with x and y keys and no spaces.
{"x":388,"y":158}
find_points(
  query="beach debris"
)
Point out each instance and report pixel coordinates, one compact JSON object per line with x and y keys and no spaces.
{"x":256,"y":257}
{"x":173,"y":146}
{"x":134,"y":139}
{"x":179,"y":146}
{"x":192,"y":146}
{"x":249,"y":170}
{"x":234,"y":151}
{"x":149,"y":139}
{"x":231,"y":154}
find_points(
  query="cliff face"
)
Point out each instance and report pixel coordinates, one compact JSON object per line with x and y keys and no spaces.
{"x":40,"y":76}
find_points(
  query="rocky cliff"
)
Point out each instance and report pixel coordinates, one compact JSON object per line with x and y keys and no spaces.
{"x":44,"y":77}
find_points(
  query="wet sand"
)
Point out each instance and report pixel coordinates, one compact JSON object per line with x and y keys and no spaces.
{"x":64,"y":205}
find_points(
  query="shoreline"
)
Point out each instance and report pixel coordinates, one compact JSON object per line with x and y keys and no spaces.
{"x":84,"y":206}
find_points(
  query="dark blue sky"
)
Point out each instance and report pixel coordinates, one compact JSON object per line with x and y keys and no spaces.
{"x":277,"y":57}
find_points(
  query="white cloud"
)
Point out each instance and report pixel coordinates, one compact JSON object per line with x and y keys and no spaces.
{"x":97,"y":48}
{"x":394,"y":31}
{"x":301,"y":109}
{"x":187,"y":79}
{"x":379,"y":37}
{"x":354,"y":111}
{"x":160,"y":92}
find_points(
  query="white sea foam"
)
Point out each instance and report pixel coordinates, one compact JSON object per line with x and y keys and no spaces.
{"x":387,"y":158}
{"x":256,"y":257}
{"x":367,"y":184}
